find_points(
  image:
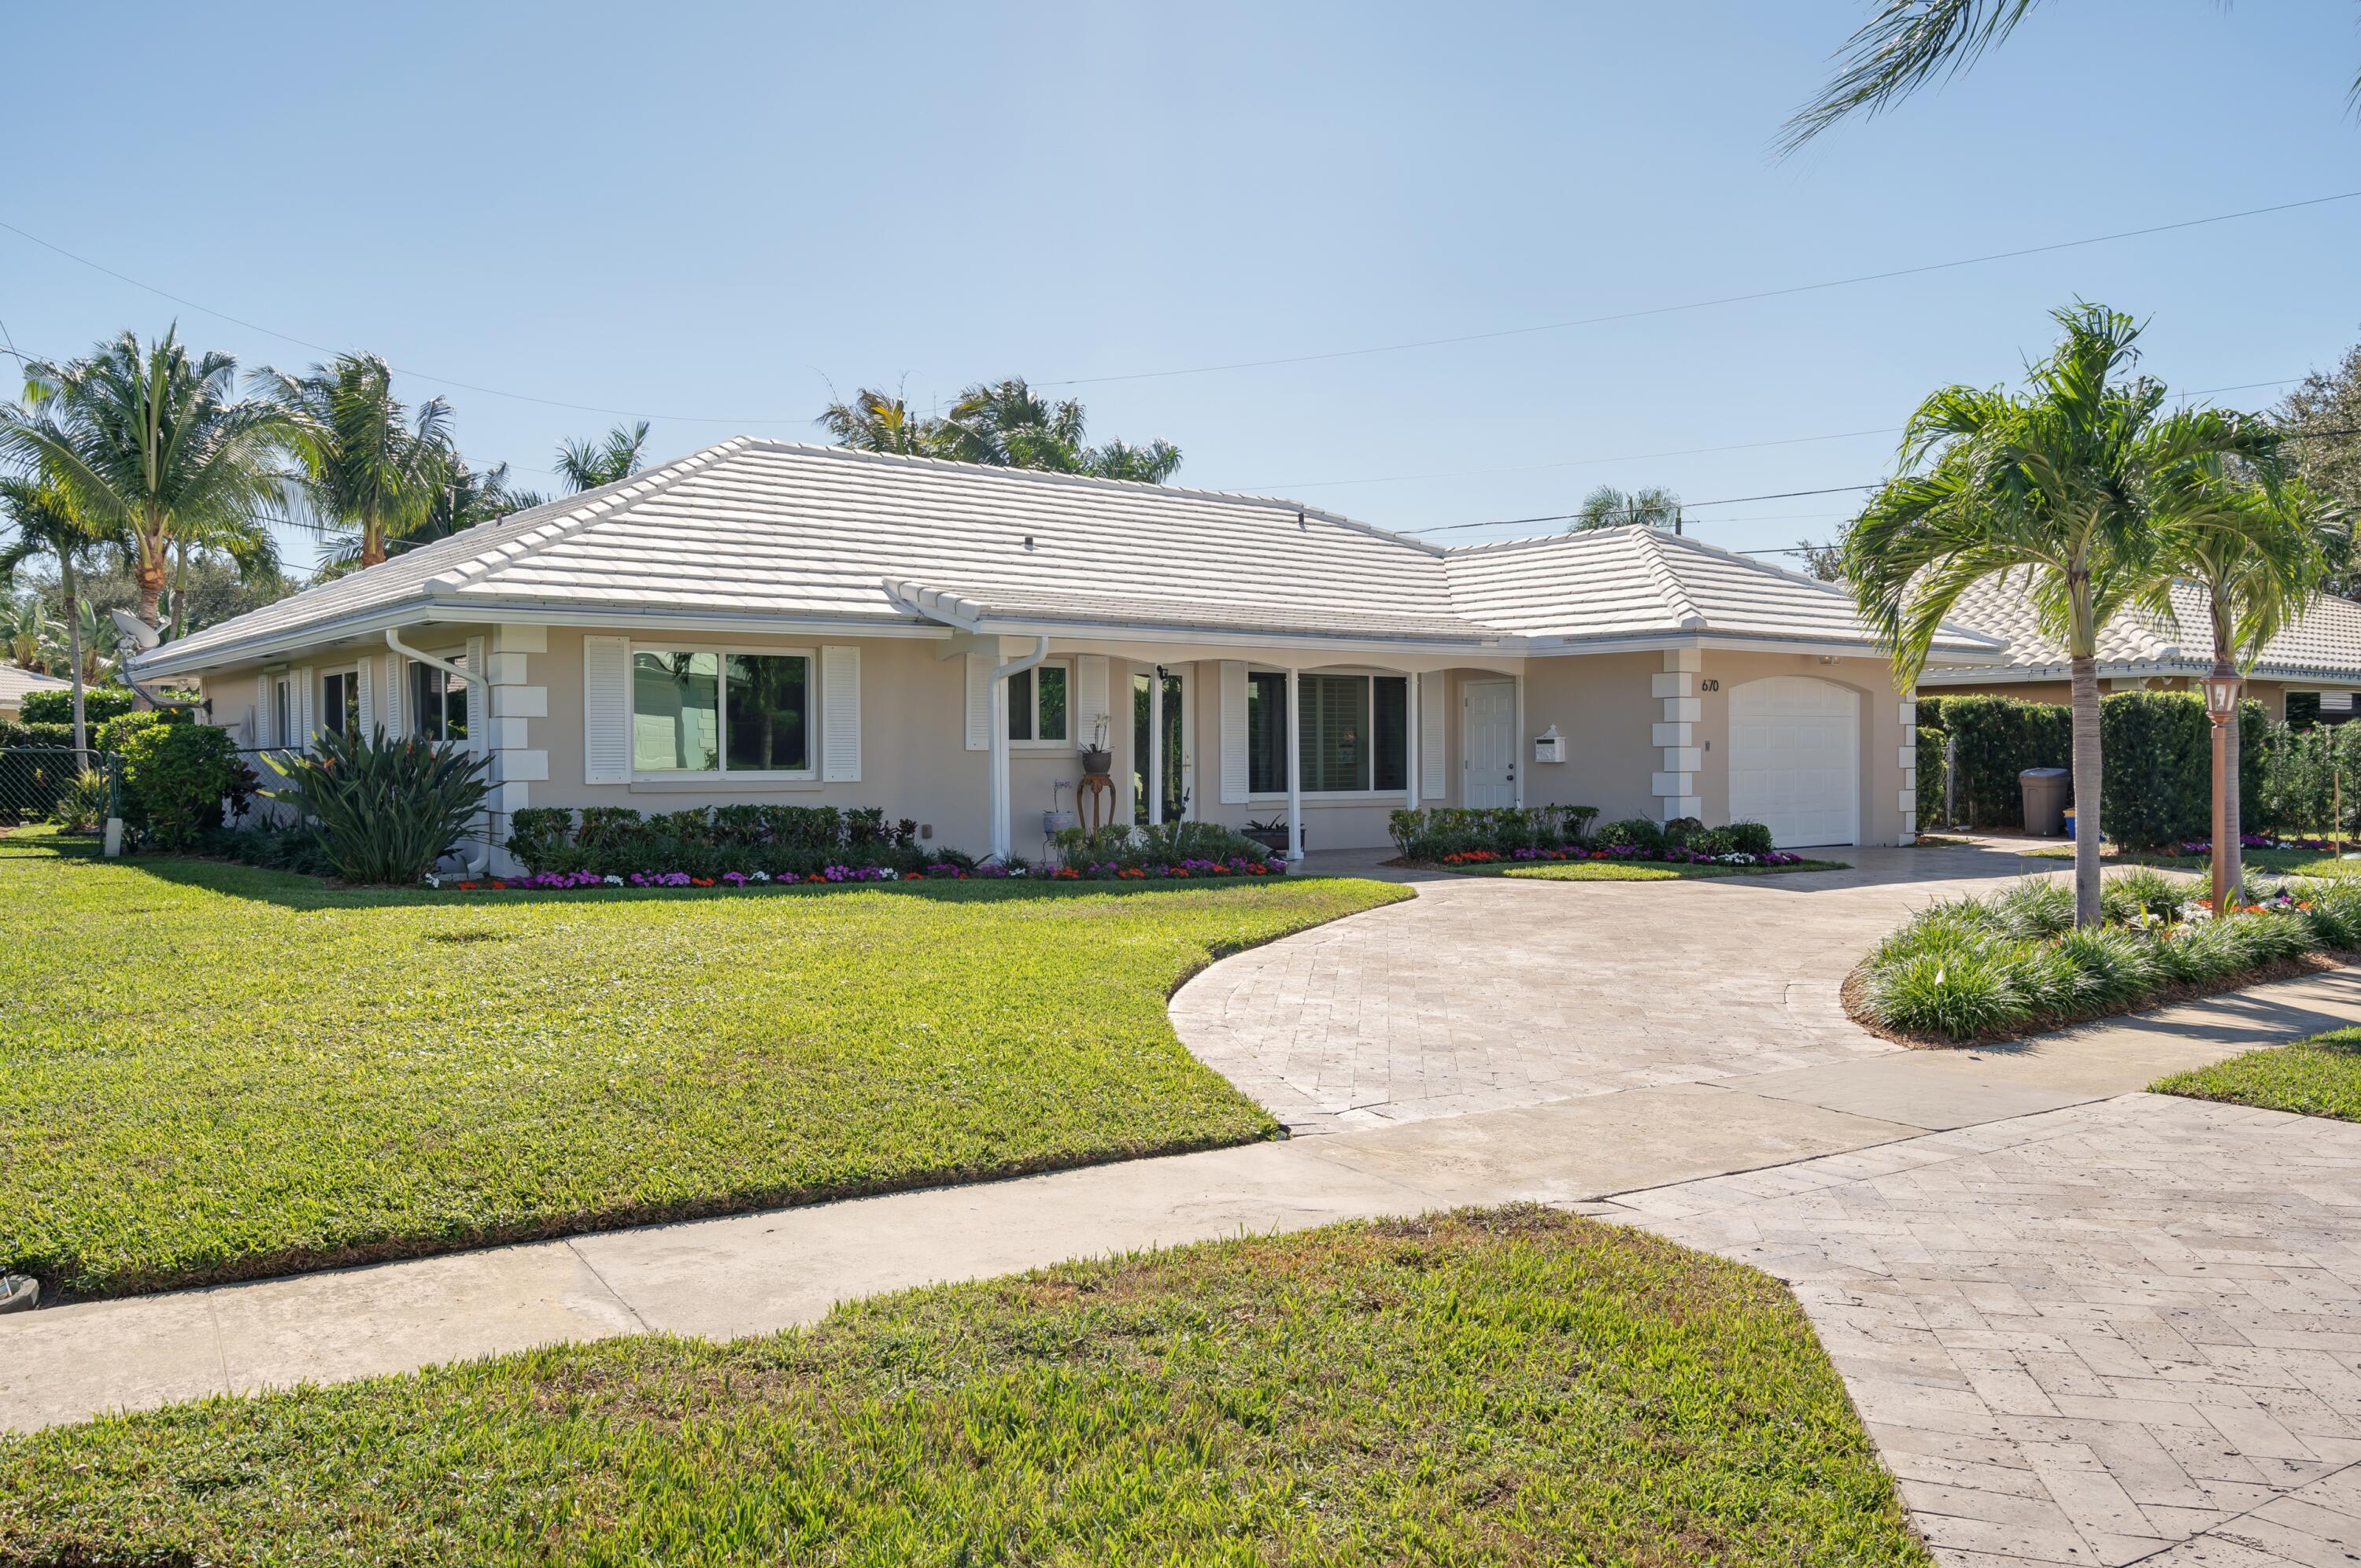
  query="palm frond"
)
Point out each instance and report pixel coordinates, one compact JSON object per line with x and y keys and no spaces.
{"x":1906,"y":45}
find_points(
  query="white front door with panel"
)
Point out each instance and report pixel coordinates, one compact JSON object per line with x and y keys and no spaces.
{"x":1488,"y":743}
{"x":1795,"y":759}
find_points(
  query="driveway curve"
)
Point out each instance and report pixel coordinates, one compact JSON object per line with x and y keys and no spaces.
{"x":1485,"y":994}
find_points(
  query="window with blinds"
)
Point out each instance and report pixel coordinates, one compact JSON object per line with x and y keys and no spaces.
{"x":1352,"y":732}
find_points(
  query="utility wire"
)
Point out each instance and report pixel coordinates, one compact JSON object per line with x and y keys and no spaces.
{"x":1252,"y":364}
{"x":1704,"y":304}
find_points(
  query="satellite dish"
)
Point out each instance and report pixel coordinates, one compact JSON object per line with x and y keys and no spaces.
{"x":141,"y":635}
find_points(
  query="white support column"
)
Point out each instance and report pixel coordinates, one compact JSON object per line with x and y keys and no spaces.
{"x":1154,"y":777}
{"x":510,"y":705}
{"x":1410,"y":740}
{"x":996,"y":751}
{"x":1516,"y":760}
{"x":1294,"y":770}
{"x":1675,"y":786}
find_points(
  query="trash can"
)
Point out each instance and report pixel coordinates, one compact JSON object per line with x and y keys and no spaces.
{"x":2045,"y":800}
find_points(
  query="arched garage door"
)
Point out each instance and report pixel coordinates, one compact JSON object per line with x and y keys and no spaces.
{"x":1795,"y":759}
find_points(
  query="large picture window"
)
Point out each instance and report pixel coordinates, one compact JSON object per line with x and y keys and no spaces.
{"x":1353,"y":733}
{"x":1266,"y":733}
{"x":720,"y":713}
{"x":1037,"y":706}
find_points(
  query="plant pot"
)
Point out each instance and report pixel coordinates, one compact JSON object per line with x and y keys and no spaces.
{"x":1056,"y":822}
{"x":1097,"y":761}
{"x":1275,"y":841}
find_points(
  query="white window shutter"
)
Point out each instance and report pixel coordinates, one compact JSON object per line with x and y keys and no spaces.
{"x":1434,"y":781}
{"x":1091,"y":710}
{"x":266,"y":689}
{"x":480,"y":701}
{"x":840,"y":714}
{"x":397,"y":674}
{"x":605,"y":710}
{"x":366,"y":684}
{"x":979,"y":702}
{"x":1234,"y":731}
{"x":306,"y":685}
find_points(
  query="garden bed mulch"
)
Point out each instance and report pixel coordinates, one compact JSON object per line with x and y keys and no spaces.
{"x":2045,"y":1024}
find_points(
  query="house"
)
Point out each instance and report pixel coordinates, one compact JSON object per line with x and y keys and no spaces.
{"x":768,"y":621}
{"x":15,"y":682}
{"x":2310,"y":672}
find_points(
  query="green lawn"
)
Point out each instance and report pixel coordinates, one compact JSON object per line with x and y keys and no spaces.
{"x":210,"y":1071}
{"x":2318,"y":1077}
{"x":1512,"y":1386}
{"x":2275,"y":863}
{"x":1635,"y":871}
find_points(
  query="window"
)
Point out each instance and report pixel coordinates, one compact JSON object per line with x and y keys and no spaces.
{"x":1353,"y":733}
{"x":340,"y":702}
{"x":438,"y":702}
{"x":1266,"y":733}
{"x":1037,"y":706}
{"x":282,"y":717}
{"x":711,"y":712}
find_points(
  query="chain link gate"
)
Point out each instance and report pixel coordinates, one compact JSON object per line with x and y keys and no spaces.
{"x":35,"y":782}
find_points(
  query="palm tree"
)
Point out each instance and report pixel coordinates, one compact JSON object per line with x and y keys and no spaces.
{"x":2065,"y":482}
{"x":46,"y":524}
{"x":2260,"y":553}
{"x":26,"y":630}
{"x":1608,"y":507}
{"x":873,"y":422}
{"x":368,"y":466}
{"x":466,"y":498}
{"x":148,"y":441}
{"x":587,"y":465}
{"x":1904,"y":46}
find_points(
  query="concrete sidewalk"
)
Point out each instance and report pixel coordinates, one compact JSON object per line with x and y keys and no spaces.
{"x":756,"y":1273}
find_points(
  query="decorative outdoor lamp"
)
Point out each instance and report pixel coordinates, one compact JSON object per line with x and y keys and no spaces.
{"x":2220,"y":704}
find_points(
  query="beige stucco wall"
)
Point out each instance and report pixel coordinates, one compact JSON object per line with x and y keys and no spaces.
{"x":914,"y":762}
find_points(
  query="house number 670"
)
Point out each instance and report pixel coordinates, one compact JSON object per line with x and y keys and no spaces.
{"x":1709,"y":685}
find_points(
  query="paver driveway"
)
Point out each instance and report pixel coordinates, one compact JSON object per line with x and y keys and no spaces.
{"x":1488,"y":992}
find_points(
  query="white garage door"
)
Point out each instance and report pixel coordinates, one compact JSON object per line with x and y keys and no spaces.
{"x":1795,"y":759}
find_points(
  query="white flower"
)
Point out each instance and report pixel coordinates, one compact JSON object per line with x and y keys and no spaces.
{"x":613,"y":881}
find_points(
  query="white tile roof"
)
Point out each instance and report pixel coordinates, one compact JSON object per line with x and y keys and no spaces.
{"x":760,"y":529}
{"x":2323,"y":644}
{"x":16,"y":681}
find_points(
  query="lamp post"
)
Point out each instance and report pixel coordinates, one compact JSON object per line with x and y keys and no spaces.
{"x":2220,"y":704}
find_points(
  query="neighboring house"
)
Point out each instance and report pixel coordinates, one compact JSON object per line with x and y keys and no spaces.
{"x":15,"y":682}
{"x":764,"y":622}
{"x":2308,"y":672}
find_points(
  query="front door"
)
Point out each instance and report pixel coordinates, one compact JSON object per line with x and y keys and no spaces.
{"x":1488,"y":739}
{"x":1161,"y":765}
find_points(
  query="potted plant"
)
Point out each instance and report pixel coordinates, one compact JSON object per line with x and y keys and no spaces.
{"x":1271,"y":834}
{"x":1096,"y":756}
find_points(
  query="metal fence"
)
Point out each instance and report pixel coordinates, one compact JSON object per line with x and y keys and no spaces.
{"x":35,"y":779}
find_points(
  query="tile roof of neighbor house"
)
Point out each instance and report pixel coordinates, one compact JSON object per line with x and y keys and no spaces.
{"x":2324,"y":645}
{"x":753,"y":531}
{"x":16,"y":681}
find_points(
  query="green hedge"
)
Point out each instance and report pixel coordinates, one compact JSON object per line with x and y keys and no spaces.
{"x":1930,"y":775}
{"x":99,"y":704}
{"x":175,"y":777}
{"x":2156,"y":751}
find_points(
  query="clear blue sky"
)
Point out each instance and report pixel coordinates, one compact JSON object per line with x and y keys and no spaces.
{"x":717,"y":211}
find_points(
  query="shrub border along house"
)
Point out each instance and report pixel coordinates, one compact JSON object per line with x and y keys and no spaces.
{"x":1456,"y":838}
{"x":1971,"y":968}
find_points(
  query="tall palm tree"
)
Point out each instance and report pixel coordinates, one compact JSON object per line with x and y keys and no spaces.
{"x":2258,"y":552}
{"x":1000,"y":424}
{"x":150,"y":441}
{"x":2065,"y":482}
{"x":872,"y":421}
{"x":46,"y":524}
{"x":368,"y":466}
{"x":1903,"y":47}
{"x":467,"y":498}
{"x":1608,"y":507}
{"x":587,"y":465}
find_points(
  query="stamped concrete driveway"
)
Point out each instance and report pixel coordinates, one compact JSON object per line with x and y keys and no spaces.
{"x":1485,"y":994}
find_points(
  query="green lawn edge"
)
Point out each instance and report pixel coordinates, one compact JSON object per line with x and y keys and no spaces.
{"x":2318,"y":1076}
{"x":1505,"y":1385}
{"x":210,"y":1072}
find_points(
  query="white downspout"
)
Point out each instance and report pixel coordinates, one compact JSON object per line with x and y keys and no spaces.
{"x":1000,"y":787}
{"x":478,"y":732}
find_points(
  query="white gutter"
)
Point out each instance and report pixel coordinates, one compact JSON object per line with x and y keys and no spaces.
{"x":478,"y":731}
{"x":999,"y":742}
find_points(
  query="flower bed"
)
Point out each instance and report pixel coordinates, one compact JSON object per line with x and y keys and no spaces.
{"x":1968,"y":968}
{"x":1670,"y":854}
{"x":834,"y":875}
{"x":2195,"y":846}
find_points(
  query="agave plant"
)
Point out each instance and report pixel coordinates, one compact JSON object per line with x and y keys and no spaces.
{"x":383,"y":809}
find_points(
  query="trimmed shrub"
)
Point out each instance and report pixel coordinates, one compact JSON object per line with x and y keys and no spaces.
{"x":175,"y":777}
{"x":1632,"y":832}
{"x":1930,"y":775}
{"x":1434,"y":831}
{"x":99,"y":704}
{"x":1996,"y":739}
{"x":117,"y":731}
{"x":2158,"y":777}
{"x":384,"y":809}
{"x":1749,"y":837}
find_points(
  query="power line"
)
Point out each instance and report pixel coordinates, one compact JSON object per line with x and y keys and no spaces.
{"x":1703,"y":304}
{"x":1633,"y":512}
